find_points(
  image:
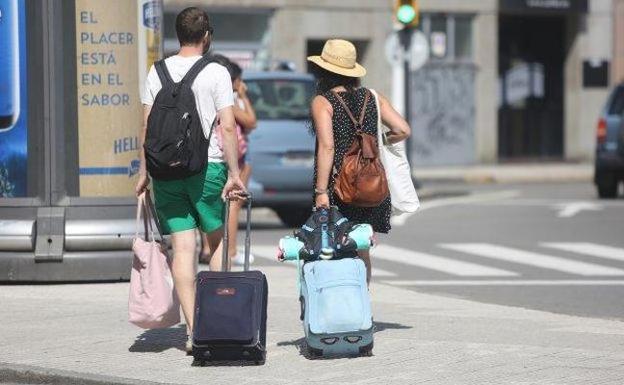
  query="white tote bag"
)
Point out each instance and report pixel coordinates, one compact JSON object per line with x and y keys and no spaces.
{"x":398,"y":171}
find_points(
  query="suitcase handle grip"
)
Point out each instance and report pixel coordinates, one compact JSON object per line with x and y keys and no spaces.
{"x":226,"y":236}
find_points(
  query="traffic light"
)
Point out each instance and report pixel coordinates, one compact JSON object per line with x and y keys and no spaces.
{"x":406,"y":12}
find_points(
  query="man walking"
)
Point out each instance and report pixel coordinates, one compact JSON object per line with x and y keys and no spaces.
{"x":197,"y":201}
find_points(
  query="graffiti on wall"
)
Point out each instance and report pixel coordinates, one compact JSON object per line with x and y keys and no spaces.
{"x":443,"y":114}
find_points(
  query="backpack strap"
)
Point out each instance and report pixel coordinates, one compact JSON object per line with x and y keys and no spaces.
{"x":199,"y":65}
{"x":192,"y":73}
{"x":358,"y":123}
{"x":163,"y":72}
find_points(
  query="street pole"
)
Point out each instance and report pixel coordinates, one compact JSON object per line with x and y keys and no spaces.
{"x":405,"y":37}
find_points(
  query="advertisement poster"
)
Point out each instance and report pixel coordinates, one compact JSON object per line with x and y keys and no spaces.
{"x":109,"y":52}
{"x":13,"y":100}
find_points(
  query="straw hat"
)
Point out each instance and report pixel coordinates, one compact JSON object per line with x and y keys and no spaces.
{"x":339,"y":56}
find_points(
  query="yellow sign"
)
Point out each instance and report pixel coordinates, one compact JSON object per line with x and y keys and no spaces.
{"x":109,"y":106}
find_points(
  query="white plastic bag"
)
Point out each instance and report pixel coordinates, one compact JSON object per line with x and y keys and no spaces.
{"x":398,"y":171}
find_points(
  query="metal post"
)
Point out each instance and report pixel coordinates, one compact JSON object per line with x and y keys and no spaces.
{"x":405,"y":37}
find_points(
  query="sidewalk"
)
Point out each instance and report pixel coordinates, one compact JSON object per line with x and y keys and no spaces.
{"x":508,"y":173}
{"x":80,"y":334}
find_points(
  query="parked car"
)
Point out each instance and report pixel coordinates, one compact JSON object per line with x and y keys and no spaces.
{"x":281,"y":149}
{"x":609,"y":165}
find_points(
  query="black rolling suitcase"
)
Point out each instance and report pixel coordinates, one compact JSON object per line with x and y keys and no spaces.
{"x":231,"y":310}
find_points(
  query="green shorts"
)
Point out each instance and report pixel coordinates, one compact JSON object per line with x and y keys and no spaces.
{"x":185,"y":204}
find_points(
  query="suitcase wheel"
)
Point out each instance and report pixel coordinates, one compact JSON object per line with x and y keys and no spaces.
{"x":313,"y":353}
{"x":366,"y":351}
{"x":198,"y":362}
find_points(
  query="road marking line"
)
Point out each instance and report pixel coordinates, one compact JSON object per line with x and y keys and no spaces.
{"x":587,"y":248}
{"x":400,"y":220}
{"x":472,"y":198}
{"x":432,"y":262}
{"x":568,"y":210}
{"x":270,"y":253}
{"x":382,"y":273}
{"x":508,"y":283}
{"x":533,"y":259}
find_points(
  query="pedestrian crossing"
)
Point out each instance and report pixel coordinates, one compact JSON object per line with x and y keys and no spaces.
{"x":592,"y":249}
{"x":472,"y":262}
{"x":539,"y":260}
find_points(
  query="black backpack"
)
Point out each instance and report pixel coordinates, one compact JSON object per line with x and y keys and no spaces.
{"x":175,"y":144}
{"x":329,"y":227}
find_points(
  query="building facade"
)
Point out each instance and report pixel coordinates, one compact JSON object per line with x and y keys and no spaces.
{"x":506,"y":80}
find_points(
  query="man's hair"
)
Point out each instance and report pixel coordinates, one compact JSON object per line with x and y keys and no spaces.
{"x":191,"y":26}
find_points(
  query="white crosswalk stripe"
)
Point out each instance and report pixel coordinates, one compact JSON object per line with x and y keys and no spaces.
{"x":459,"y":268}
{"x":592,"y":249}
{"x":270,"y":253}
{"x":533,"y":259}
{"x":433,"y":262}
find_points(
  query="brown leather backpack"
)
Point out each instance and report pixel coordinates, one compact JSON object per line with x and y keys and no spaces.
{"x":362,"y":178}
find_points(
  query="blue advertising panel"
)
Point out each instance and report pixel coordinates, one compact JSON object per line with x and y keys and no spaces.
{"x":13,"y":99}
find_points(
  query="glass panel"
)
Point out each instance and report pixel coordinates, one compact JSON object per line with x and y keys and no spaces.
{"x":617,"y":105}
{"x":438,"y":38}
{"x":463,"y":37}
{"x":13,"y":101}
{"x":281,"y":99}
{"x":227,"y":28}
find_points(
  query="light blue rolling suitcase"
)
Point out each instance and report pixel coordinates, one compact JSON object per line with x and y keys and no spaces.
{"x":336,"y":309}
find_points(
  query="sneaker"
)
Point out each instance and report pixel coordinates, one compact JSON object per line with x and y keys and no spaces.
{"x":239,"y":259}
{"x":189,"y":345}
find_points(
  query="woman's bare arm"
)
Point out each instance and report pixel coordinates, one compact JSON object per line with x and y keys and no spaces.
{"x":399,"y":128}
{"x":322,"y":113}
{"x":246,"y":117}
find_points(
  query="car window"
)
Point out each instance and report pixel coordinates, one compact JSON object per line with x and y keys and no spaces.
{"x":282,"y":99}
{"x":617,"y":103}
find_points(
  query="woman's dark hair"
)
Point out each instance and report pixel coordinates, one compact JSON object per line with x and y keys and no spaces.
{"x":234,"y":69}
{"x":236,"y":72}
{"x":191,"y":26}
{"x":326,"y":80}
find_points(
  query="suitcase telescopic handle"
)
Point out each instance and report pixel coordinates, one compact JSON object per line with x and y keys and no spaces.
{"x":226,"y":236}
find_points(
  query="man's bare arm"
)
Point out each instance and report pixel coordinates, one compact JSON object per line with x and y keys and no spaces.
{"x":143,"y":178}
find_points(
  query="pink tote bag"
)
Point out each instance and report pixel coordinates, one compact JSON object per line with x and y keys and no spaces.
{"x":152,"y":303}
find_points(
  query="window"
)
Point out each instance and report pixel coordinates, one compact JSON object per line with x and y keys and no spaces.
{"x":617,"y":103}
{"x":463,"y":38}
{"x":281,"y":99}
{"x":449,"y":36}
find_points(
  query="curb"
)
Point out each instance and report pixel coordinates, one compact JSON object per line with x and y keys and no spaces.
{"x":529,"y":173}
{"x":26,"y":374}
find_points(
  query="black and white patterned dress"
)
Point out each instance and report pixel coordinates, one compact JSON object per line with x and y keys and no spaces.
{"x":344,"y":133}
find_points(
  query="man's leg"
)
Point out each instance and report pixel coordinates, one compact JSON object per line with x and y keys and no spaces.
{"x":184,"y":271}
{"x":213,"y":249}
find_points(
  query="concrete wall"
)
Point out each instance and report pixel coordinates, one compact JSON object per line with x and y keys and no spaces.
{"x":296,"y":21}
{"x":617,"y":71}
{"x":589,"y":37}
{"x":294,"y":25}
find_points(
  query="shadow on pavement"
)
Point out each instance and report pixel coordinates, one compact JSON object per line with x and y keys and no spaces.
{"x":159,"y":340}
{"x":301,"y":344}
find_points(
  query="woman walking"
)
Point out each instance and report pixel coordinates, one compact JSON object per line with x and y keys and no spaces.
{"x":246,"y":122}
{"x":338,"y":81}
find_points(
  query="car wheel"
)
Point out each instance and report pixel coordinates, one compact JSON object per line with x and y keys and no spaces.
{"x":607,"y":186}
{"x":293,"y":216}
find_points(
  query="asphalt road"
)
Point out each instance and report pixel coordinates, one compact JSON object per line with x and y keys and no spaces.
{"x":551,"y":247}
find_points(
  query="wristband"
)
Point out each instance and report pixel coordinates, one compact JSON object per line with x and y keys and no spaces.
{"x":319,"y":191}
